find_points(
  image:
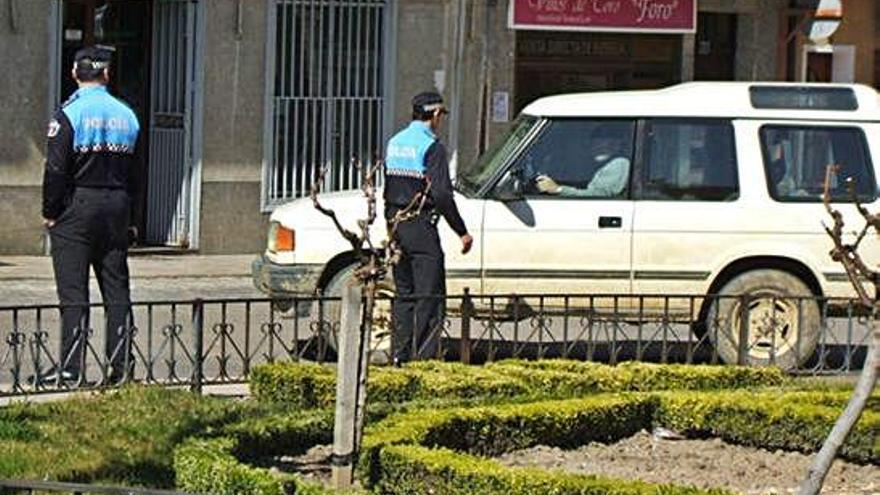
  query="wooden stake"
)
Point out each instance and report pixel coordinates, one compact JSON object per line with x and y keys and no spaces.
{"x":350,"y":341}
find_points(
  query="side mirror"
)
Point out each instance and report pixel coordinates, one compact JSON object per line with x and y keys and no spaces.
{"x":509,"y":188}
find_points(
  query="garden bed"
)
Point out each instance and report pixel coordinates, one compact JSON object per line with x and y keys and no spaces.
{"x":710,"y":463}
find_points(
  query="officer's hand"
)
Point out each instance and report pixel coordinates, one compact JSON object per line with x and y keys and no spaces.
{"x":48,"y":223}
{"x":466,"y":242}
{"x":132,"y":235}
{"x":546,"y":184}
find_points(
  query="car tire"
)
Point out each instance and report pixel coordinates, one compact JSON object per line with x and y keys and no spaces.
{"x":784,"y":319}
{"x":381,"y":332}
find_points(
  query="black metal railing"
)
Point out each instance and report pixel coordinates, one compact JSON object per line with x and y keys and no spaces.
{"x":32,"y":487}
{"x":203,"y":342}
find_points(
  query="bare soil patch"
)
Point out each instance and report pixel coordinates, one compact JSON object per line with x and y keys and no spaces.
{"x":708,"y":463}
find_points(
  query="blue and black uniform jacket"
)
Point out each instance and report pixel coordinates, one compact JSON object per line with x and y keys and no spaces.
{"x":92,"y":141}
{"x":414,"y":157}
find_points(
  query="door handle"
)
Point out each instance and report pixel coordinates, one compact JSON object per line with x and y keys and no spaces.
{"x":610,"y":222}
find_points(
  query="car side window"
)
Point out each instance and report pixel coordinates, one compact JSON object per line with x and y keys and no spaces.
{"x":583,"y":158}
{"x":688,"y":160}
{"x":796,"y":159}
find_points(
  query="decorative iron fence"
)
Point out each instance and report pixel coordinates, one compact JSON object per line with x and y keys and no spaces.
{"x":200,"y":342}
{"x":32,"y":487}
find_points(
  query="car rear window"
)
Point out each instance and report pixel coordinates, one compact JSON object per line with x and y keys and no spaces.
{"x":796,"y":158}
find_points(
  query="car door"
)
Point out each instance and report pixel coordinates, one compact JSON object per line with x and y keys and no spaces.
{"x":688,"y":208}
{"x":562,"y":231}
{"x":463,"y":270}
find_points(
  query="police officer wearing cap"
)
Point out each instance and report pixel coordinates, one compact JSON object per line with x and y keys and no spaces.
{"x":416,"y":161}
{"x":88,"y":186}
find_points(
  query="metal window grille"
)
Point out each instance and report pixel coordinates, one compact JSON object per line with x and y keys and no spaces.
{"x":328,"y":101}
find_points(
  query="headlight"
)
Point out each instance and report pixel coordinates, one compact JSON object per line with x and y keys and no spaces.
{"x":281,"y":238}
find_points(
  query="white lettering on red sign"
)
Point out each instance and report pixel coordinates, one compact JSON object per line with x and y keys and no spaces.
{"x":653,"y":10}
{"x":606,"y":6}
{"x":549,"y":5}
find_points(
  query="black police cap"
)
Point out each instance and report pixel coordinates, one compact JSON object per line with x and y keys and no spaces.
{"x":427,"y":102}
{"x":93,"y":57}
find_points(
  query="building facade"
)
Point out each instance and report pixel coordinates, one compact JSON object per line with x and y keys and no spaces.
{"x":242,"y":101}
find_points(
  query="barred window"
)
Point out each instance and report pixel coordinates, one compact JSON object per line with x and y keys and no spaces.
{"x":328,"y":100}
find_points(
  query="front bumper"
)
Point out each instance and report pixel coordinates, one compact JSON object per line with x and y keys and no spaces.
{"x":285,"y":281}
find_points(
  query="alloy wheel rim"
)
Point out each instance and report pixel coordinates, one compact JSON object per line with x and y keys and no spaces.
{"x":773,"y":326}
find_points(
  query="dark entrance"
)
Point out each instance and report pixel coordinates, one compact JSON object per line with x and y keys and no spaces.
{"x":715,"y":47}
{"x":124,"y":25}
{"x":819,"y":66}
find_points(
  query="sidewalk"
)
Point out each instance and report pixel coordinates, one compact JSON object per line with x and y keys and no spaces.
{"x":142,"y":266}
{"x":29,"y":280}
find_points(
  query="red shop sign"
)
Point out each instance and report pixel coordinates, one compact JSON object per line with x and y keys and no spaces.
{"x":663,"y":16}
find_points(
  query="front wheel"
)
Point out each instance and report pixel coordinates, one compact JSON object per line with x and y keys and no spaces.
{"x":380,"y":336}
{"x":783,"y":319}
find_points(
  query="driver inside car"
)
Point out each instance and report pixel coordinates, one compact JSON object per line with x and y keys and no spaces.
{"x":608,"y":152}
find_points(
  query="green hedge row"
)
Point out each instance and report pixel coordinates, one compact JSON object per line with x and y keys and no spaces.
{"x":774,"y":419}
{"x":210,"y":466}
{"x":310,"y":385}
{"x":415,"y":470}
{"x":791,"y":421}
{"x":289,"y":433}
{"x":492,"y":430}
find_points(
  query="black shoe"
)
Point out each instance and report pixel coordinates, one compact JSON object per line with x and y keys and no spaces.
{"x":65,"y":378}
{"x":116,"y":379}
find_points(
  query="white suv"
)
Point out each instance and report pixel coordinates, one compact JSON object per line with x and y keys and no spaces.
{"x":700,"y":188}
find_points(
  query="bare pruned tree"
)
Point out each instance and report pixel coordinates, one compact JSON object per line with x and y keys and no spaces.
{"x":373,"y":265}
{"x":857,"y":271}
{"x":374,"y":262}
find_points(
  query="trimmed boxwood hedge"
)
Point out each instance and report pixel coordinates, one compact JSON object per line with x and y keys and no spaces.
{"x":301,"y":385}
{"x":310,"y":385}
{"x":492,"y":430}
{"x":797,"y":421}
{"x":775,"y":419}
{"x":289,"y":433}
{"x":208,"y":466}
{"x":415,"y":470}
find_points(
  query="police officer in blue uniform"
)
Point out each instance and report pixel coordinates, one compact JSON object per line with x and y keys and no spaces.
{"x":414,"y":159}
{"x":88,"y":186}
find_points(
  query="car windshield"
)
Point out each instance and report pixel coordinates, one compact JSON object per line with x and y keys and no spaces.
{"x":472,"y":178}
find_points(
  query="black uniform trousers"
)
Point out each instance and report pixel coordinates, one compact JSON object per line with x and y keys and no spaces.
{"x":420,"y":278}
{"x":93,"y":232}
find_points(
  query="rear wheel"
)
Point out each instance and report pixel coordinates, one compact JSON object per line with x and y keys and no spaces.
{"x":380,"y":336}
{"x":783,"y":319}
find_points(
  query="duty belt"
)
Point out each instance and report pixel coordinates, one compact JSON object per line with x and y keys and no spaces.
{"x":429,"y":213}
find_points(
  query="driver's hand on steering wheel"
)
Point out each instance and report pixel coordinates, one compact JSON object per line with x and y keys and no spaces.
{"x":546,"y":185}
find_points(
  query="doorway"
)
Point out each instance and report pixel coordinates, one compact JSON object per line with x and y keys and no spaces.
{"x":153,"y":71}
{"x":715,"y":47}
{"x":818,"y":66}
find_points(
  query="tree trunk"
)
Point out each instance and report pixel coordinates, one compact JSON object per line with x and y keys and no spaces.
{"x":867,"y":380}
{"x":347,"y":382}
